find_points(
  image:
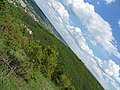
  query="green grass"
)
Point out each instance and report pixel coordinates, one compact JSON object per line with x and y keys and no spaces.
{"x":9,"y":82}
{"x":38,"y":61}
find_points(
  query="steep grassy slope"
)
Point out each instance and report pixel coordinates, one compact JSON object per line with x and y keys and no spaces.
{"x":37,"y":61}
{"x":9,"y":82}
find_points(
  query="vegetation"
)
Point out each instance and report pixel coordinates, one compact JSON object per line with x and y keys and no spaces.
{"x":37,"y":61}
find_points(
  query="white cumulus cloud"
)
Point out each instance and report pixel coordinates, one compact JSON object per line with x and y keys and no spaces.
{"x":111,"y":69}
{"x":107,"y":72}
{"x":62,"y":12}
{"x":109,"y":1}
{"x":99,"y":30}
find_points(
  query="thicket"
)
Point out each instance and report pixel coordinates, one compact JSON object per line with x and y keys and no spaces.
{"x":24,"y":56}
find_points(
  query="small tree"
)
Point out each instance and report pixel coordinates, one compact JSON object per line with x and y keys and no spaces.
{"x":49,"y":61}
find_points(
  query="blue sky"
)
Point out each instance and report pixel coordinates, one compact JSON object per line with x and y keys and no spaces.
{"x":91,"y":29}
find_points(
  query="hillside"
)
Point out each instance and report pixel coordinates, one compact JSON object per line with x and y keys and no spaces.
{"x":41,"y":16}
{"x":32,"y":58}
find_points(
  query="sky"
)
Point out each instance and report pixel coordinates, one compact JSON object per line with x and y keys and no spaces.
{"x":91,"y":28}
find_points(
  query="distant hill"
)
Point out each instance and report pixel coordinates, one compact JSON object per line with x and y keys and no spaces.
{"x":41,"y":16}
{"x":32,"y":58}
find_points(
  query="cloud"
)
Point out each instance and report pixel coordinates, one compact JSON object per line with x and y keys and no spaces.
{"x":119,"y":22}
{"x":111,"y":69}
{"x":108,"y":76}
{"x":62,"y":12}
{"x":99,"y":31}
{"x":109,"y":1}
{"x":107,"y":72}
{"x":77,"y":35}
